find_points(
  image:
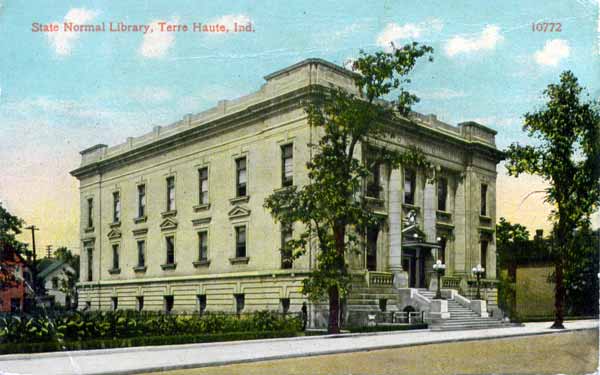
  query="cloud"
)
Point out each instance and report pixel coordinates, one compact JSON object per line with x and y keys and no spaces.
{"x":441,"y":94}
{"x":394,"y":33}
{"x":62,"y":41}
{"x":554,"y":50}
{"x":156,"y":44}
{"x":485,"y":41}
{"x":229,"y":20}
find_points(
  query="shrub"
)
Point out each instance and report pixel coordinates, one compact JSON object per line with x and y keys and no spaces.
{"x":79,"y":326}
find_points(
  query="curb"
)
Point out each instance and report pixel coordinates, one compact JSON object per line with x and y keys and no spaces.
{"x":158,"y":369}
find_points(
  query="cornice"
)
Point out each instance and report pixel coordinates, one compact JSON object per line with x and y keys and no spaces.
{"x":288,"y":101}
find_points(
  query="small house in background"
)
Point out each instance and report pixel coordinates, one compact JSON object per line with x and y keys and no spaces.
{"x":14,"y":276}
{"x":54,"y":276}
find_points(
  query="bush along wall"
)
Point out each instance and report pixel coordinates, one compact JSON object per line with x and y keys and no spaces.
{"x":77,"y":330}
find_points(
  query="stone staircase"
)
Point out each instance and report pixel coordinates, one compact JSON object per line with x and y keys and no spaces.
{"x":461,"y":317}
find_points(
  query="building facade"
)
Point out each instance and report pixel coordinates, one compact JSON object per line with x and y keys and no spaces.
{"x":174,"y":219}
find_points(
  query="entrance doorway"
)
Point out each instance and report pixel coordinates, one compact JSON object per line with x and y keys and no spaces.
{"x":413,"y":262}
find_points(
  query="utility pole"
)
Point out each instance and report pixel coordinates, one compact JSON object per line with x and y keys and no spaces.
{"x":33,"y":228}
{"x":49,"y":251}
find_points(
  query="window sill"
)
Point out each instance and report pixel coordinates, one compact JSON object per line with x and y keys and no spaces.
{"x":374,"y":201}
{"x":115,"y":224}
{"x":114,"y":271}
{"x":243,"y":199}
{"x":239,"y":260}
{"x":284,"y":188}
{"x":409,"y":206}
{"x":140,"y":232}
{"x":139,"y":269}
{"x":168,"y":266}
{"x":169,"y":213}
{"x":485,"y":219}
{"x":89,"y":230}
{"x":201,"y":207}
{"x":202,"y":263}
{"x":443,"y":215}
{"x":141,"y":219}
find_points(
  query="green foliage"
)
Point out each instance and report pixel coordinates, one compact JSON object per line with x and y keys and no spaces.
{"x":51,"y":346}
{"x":514,"y":247}
{"x":330,"y":206}
{"x":566,"y":154}
{"x":581,"y":270}
{"x":78,"y":326}
{"x":10,"y":227}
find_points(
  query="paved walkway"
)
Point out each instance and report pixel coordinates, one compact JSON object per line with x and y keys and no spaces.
{"x":158,"y":358}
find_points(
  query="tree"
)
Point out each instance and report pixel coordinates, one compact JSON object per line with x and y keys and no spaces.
{"x":10,"y":227}
{"x":566,"y":154}
{"x":329,"y":207}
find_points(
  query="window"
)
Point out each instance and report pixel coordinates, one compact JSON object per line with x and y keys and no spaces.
{"x":90,"y":212}
{"x":141,"y":245}
{"x":170,"y":244}
{"x":442,"y":251}
{"x":373,"y":181}
{"x":170,"y":193}
{"x":115,"y":254}
{"x":201,"y":302}
{"x":484,"y":248}
{"x":141,"y":200}
{"x":483,"y":199}
{"x":240,"y":242}
{"x":287,"y":165}
{"x":285,"y":305}
{"x":203,"y":185}
{"x":372,"y":234}
{"x":55,"y":283}
{"x":203,"y":246}
{"x":409,"y":186}
{"x":286,"y":254}
{"x":239,"y":302}
{"x":169,"y":301}
{"x":140,"y":302}
{"x":442,"y":192}
{"x":116,"y":207}
{"x":241,"y":177}
{"x":90,"y":263}
{"x":115,"y":302}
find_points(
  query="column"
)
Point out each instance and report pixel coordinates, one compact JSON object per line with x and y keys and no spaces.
{"x":429,"y":208}
{"x":395,"y":229}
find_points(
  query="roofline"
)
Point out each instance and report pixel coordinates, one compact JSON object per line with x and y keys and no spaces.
{"x":315,"y":61}
{"x":478,"y":125}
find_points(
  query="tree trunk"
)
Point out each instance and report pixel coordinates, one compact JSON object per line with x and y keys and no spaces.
{"x":334,"y":292}
{"x":334,"y":310}
{"x":559,"y":293}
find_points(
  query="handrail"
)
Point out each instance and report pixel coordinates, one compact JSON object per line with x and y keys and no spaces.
{"x":462,"y":300}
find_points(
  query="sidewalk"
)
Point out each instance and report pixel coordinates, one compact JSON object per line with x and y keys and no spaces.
{"x":157,"y":358}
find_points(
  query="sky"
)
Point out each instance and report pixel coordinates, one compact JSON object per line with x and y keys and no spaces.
{"x":61,"y":92}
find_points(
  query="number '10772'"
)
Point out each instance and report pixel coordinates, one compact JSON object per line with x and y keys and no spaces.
{"x":546,"y":27}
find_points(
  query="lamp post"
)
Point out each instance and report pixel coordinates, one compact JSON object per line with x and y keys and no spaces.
{"x":478,"y":272}
{"x":439,"y":269}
